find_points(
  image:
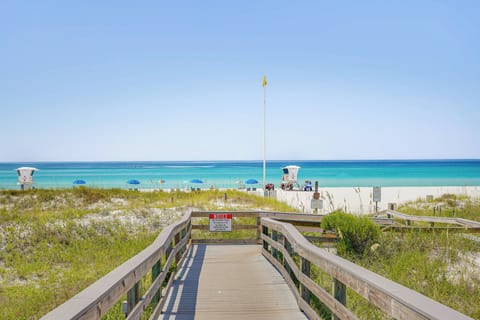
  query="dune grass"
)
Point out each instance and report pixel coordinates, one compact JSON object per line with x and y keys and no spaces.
{"x":438,"y":264}
{"x":447,"y":205}
{"x":54,"y":243}
{"x":433,"y":264}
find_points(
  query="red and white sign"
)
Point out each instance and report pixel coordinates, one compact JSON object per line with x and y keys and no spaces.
{"x":220,"y":222}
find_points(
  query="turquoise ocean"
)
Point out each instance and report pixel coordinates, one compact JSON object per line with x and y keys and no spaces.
{"x":232,"y":174}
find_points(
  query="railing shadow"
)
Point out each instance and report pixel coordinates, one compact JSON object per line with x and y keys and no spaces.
{"x":182,"y":299}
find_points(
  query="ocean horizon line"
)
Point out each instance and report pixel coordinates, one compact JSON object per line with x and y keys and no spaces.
{"x":253,"y":160}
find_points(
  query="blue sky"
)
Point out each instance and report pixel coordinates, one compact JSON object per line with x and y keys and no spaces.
{"x":181,"y":80}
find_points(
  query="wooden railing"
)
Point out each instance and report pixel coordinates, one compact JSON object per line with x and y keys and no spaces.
{"x":283,"y":245}
{"x":157,"y":259}
{"x":94,"y":302}
{"x":305,"y":223}
{"x":463,"y":225}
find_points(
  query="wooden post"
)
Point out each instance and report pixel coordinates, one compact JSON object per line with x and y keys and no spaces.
{"x":291,"y":252}
{"x":339,"y":293}
{"x":179,"y":253}
{"x":183,"y":235}
{"x":169,"y":250}
{"x":133,"y":296}
{"x":287,"y":247}
{"x":275,"y":238}
{"x":306,"y":271}
{"x":265,"y":232}
{"x":316,"y":196}
{"x":259,"y":229}
{"x":156,"y":270}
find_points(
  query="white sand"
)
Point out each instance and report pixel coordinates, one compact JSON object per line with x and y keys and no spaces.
{"x":360,"y":200}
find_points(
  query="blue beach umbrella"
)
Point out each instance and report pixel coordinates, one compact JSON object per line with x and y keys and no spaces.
{"x":196,"y":181}
{"x":133,"y":181}
{"x":79,"y":181}
{"x":251,"y":181}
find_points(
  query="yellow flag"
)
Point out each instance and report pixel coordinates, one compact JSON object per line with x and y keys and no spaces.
{"x":264,"y":81}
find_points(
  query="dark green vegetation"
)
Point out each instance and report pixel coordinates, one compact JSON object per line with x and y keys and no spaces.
{"x":54,"y":243}
{"x":356,"y":234}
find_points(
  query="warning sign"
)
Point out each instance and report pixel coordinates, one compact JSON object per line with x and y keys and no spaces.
{"x":220,"y":222}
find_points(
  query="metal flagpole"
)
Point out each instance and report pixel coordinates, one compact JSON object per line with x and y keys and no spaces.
{"x":264,"y":85}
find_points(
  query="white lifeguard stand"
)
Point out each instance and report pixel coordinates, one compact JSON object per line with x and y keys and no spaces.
{"x":289,"y":178}
{"x":25,"y":177}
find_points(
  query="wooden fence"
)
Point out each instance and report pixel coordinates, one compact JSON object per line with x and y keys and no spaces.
{"x":457,"y":224}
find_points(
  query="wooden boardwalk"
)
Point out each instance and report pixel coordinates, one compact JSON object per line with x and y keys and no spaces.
{"x":229,"y":282}
{"x":239,"y":281}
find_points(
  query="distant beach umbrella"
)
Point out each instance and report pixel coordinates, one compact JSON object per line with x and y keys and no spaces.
{"x":251,"y":181}
{"x":133,"y":181}
{"x":196,"y":181}
{"x":79,"y":181}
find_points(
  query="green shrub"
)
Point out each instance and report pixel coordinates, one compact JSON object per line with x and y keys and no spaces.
{"x":356,"y":234}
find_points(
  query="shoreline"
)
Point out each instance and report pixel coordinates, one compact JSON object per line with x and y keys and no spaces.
{"x":355,"y":200}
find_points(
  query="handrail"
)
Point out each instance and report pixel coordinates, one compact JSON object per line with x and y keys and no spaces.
{"x":394,"y":299}
{"x":94,"y":301}
{"x":433,"y":219}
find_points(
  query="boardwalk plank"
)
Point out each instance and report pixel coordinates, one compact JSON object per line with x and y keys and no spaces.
{"x":229,"y":282}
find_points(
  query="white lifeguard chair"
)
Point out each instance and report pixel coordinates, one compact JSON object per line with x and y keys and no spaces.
{"x":25,"y":177}
{"x":289,"y":178}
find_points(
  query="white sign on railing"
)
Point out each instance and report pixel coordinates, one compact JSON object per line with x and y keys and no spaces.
{"x":220,"y":222}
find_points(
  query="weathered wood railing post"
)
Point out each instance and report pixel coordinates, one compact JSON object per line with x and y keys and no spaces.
{"x":156,"y":270}
{"x":265,"y":232}
{"x":133,"y":296}
{"x":275,"y":238}
{"x":339,"y":293}
{"x":305,"y":264}
{"x":288,"y":247}
{"x":169,"y":249}
{"x":179,"y":253}
{"x":259,"y":228}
